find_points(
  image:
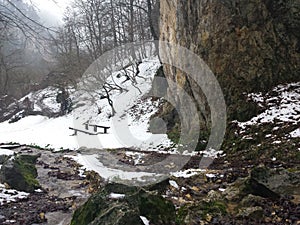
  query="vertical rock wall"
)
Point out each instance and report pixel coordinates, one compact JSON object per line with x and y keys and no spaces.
{"x":250,"y":45}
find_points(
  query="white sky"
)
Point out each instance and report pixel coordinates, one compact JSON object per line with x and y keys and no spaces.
{"x":51,"y":11}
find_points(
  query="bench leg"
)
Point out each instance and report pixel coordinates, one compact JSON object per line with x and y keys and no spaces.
{"x":105,"y":131}
{"x":95,"y":129}
{"x":75,"y":132}
{"x":86,"y":126}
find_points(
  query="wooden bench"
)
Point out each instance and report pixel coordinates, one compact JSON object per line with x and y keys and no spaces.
{"x":96,"y":127}
{"x":82,"y":131}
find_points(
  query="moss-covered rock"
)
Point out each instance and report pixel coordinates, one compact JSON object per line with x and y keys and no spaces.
{"x":20,"y":173}
{"x":123,"y":205}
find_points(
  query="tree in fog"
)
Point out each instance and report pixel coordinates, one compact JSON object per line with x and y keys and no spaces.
{"x":20,"y":33}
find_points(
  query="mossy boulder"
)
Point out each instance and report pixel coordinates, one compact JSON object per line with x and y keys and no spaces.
{"x":20,"y":173}
{"x":119,"y":204}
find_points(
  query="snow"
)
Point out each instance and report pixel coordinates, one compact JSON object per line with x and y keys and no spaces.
{"x":295,"y":133}
{"x":91,"y":162}
{"x":40,"y":131}
{"x":10,"y":195}
{"x":6,"y":152}
{"x":187,"y":173}
{"x":116,"y":196}
{"x":173,"y":184}
{"x":284,"y":107}
{"x":212,"y":153}
{"x":145,"y":220}
{"x":126,"y":129}
{"x":210,"y":175}
{"x":257,"y":97}
{"x":136,"y":156}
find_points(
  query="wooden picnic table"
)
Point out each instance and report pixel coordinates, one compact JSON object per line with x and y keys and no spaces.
{"x":105,"y":128}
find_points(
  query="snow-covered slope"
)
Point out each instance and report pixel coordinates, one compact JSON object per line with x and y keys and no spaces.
{"x":127,"y":127}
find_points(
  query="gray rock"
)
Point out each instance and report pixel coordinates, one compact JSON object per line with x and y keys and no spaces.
{"x":280,"y":181}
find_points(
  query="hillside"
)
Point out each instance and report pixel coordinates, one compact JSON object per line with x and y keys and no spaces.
{"x":204,"y":131}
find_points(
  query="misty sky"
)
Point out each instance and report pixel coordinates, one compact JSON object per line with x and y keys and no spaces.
{"x":51,"y":11}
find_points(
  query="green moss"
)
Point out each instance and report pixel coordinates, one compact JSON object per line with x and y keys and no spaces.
{"x":25,"y":165}
{"x":89,"y":211}
{"x":181,"y":215}
{"x":174,"y":134}
{"x":157,"y":209}
{"x":215,"y":208}
{"x":293,"y":170}
{"x":20,"y":173}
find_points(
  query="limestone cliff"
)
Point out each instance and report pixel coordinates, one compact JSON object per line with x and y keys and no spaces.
{"x":250,"y":45}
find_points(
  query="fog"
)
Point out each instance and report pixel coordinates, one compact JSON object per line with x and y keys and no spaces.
{"x":51,"y":11}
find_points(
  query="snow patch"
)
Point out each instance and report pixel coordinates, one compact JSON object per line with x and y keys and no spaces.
{"x":6,"y":152}
{"x":187,"y":173}
{"x":210,"y":175}
{"x":284,"y":107}
{"x":173,"y":184}
{"x":295,"y":133}
{"x":145,"y":220}
{"x":91,"y":162}
{"x":116,"y":196}
{"x":10,"y":195}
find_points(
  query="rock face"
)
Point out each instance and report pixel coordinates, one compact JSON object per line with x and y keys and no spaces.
{"x":249,"y":46}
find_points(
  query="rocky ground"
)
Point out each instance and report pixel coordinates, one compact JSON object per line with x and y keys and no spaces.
{"x":225,"y":193}
{"x":61,"y":190}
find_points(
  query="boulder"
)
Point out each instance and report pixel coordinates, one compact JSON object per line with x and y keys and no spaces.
{"x":119,"y":204}
{"x":19,"y":173}
{"x":280,"y":181}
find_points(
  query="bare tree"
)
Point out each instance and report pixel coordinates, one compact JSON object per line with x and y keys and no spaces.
{"x":20,"y":35}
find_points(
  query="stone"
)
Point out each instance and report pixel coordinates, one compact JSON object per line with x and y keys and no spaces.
{"x":280,"y":181}
{"x":20,"y":173}
{"x":135,"y":202}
